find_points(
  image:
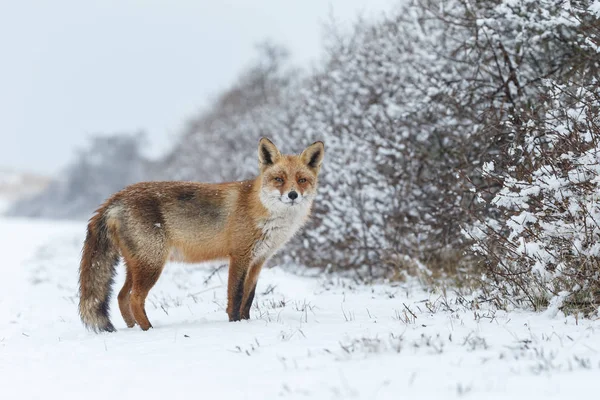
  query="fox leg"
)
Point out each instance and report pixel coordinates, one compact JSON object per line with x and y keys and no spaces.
{"x":144,"y":276}
{"x":124,"y":297}
{"x":249,"y":290}
{"x":238,"y":268}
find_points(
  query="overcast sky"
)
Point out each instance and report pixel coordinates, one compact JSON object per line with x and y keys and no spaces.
{"x":70,"y":68}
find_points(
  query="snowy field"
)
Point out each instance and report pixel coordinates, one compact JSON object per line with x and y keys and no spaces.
{"x":308,"y":337}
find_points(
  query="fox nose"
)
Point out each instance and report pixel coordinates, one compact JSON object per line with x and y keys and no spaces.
{"x":293,"y":195}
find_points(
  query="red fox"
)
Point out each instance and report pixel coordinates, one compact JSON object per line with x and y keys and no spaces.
{"x":245,"y":222}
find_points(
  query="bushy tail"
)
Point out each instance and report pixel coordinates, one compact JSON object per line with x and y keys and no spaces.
{"x":96,"y":272}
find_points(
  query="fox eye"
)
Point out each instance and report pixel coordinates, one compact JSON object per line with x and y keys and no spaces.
{"x":278,"y":179}
{"x":302,"y":180}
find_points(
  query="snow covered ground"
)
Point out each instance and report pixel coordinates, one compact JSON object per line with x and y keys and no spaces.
{"x":308,"y":337}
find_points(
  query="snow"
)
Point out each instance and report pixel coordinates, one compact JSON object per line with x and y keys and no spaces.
{"x":309,"y":337}
{"x":15,"y":185}
{"x":488,"y":167}
{"x":9,"y":178}
{"x":595,"y":7}
{"x":4,"y":204}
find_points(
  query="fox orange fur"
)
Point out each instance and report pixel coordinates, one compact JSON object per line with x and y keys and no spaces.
{"x":245,"y":222}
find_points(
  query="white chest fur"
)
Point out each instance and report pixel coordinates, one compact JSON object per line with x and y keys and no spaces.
{"x":277,"y":230}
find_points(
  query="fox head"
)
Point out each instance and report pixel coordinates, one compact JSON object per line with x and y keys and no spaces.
{"x":289,"y":182}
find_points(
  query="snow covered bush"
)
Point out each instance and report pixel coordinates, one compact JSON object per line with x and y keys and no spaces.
{"x":544,"y":245}
{"x":410,"y":107}
{"x":539,"y":238}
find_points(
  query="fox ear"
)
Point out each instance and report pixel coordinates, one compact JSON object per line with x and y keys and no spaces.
{"x":313,"y":155}
{"x":268,"y":154}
